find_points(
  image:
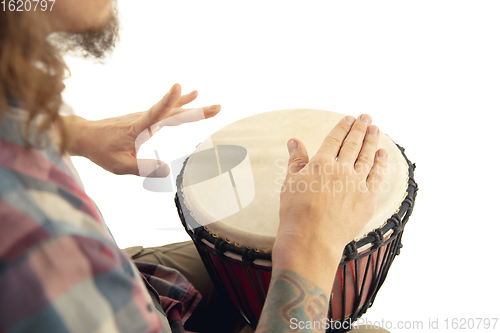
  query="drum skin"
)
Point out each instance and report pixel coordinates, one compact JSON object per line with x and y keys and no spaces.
{"x":232,"y":181}
{"x":243,"y":274}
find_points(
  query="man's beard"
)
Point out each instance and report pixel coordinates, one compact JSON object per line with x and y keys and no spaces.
{"x":95,"y":43}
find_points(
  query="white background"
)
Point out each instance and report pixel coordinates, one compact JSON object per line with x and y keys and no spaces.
{"x":428,"y":72}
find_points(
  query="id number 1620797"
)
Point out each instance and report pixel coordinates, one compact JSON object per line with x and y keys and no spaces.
{"x":27,"y":5}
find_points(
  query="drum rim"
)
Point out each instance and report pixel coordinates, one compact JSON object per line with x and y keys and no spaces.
{"x":377,"y":238}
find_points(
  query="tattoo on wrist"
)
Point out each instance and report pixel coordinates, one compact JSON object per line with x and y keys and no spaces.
{"x":291,"y":296}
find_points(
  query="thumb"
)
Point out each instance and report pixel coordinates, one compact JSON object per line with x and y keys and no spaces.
{"x":152,"y":168}
{"x":298,"y":156}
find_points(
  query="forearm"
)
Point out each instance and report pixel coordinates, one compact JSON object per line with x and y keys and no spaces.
{"x":77,"y":131}
{"x":299,"y":292}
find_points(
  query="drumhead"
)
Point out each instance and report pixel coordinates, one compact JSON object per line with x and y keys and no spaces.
{"x":232,"y":181}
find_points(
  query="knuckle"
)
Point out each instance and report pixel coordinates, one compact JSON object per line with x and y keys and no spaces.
{"x":382,"y":166}
{"x":350,"y":145}
{"x":377,"y":177}
{"x":358,"y":130}
{"x":295,"y":164}
{"x":364,"y":159}
{"x":345,"y":168}
{"x":295,"y":159}
{"x":334,"y":141}
{"x":362,"y":169}
{"x":370,"y":141}
{"x":344,"y":126}
{"x":322,"y":159}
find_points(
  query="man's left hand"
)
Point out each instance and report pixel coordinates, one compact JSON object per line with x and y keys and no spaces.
{"x":113,"y":143}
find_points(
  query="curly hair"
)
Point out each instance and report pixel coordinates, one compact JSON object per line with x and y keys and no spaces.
{"x":32,"y":67}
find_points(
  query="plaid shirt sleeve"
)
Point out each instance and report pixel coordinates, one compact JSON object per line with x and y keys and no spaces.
{"x":60,"y":269}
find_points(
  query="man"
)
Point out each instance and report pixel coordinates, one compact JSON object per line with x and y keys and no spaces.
{"x":61,"y":271}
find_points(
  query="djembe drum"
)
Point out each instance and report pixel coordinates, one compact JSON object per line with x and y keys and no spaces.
{"x":228,"y":200}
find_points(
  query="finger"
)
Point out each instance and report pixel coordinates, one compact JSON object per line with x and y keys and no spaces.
{"x":377,"y":172}
{"x":159,"y":111}
{"x":366,"y":156}
{"x":333,"y":141}
{"x":298,"y":156}
{"x":212,"y":110}
{"x":354,"y":140}
{"x":185,"y":99}
{"x":181,"y":116}
{"x":151,"y":168}
{"x":176,"y":117}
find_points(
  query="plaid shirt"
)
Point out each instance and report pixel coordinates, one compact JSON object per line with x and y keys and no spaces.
{"x":60,"y":269}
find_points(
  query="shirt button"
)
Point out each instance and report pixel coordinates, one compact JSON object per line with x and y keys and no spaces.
{"x":150,"y":307}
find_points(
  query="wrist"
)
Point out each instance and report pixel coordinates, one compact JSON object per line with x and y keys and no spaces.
{"x":309,"y":258}
{"x":313,"y":242}
{"x":307,"y":253}
{"x":77,"y":129}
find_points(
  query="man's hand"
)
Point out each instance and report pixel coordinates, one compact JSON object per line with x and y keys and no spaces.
{"x":113,"y":143}
{"x":325,"y":202}
{"x":329,"y":199}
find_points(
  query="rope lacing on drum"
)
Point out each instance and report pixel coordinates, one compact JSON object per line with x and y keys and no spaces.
{"x":398,"y":224}
{"x":350,"y":251}
{"x":409,"y":201}
{"x":198,"y":233}
{"x":378,"y":236}
{"x":398,"y":248}
{"x":413,"y":184}
{"x":248,"y":255}
{"x":219,"y":246}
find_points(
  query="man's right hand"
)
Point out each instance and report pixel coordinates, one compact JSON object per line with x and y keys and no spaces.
{"x":325,"y":203}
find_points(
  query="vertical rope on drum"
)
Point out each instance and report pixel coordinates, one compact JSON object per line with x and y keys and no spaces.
{"x":359,"y":295}
{"x":261,"y":303}
{"x":362,"y":291}
{"x":343,"y":294}
{"x":248,"y":258}
{"x":376,"y":275}
{"x":356,"y":276}
{"x":208,"y":258}
{"x":350,"y":256}
{"x":206,"y":255}
{"x":391,"y":254}
{"x":238,"y":293}
{"x":378,"y":241}
{"x":203,"y":250}
{"x":396,"y":245}
{"x":330,"y":312}
{"x":264,"y":293}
